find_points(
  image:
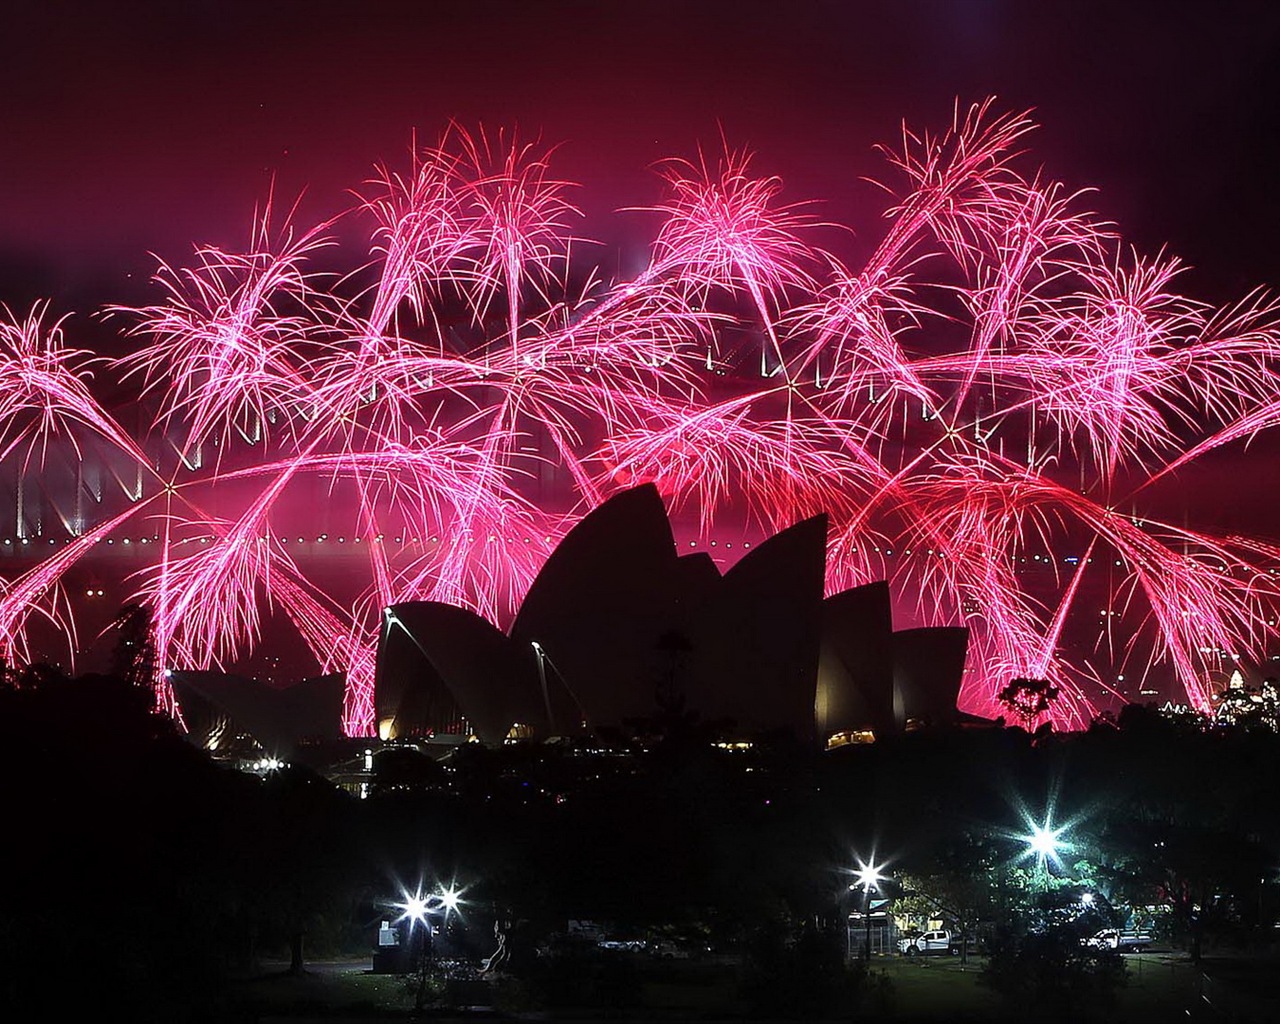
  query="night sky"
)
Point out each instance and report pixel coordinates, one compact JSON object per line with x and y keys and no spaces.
{"x":133,"y":127}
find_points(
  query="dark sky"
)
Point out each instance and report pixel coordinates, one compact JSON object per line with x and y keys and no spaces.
{"x":131,"y":127}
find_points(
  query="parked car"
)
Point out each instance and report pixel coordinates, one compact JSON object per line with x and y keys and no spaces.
{"x":1120,"y":940}
{"x":935,"y":943}
{"x":665,"y":949}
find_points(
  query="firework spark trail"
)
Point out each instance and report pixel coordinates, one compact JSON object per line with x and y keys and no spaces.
{"x":439,"y":387}
{"x":711,"y":456}
{"x":222,"y":353}
{"x":36,"y":591}
{"x":1043,"y":665}
{"x":724,"y":230}
{"x":206,"y":604}
{"x":1232,"y":371}
{"x":489,"y":566}
{"x":44,"y":391}
{"x":850,"y":329}
{"x":1204,"y":611}
{"x":1037,"y":246}
{"x":520,"y":215}
{"x":336,"y":641}
{"x":162,"y":627}
{"x":953,"y":175}
{"x":1125,"y":369}
{"x":491,"y":561}
{"x":1201,"y":607}
{"x":976,"y":530}
{"x":420,"y":241}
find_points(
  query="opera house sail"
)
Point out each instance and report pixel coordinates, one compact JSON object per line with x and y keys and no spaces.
{"x":619,"y":628}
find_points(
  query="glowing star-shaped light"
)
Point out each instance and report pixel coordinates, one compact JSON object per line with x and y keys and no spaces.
{"x":869,"y":876}
{"x":1044,"y":842}
{"x":414,"y":908}
{"x":449,"y":899}
{"x":417,"y":907}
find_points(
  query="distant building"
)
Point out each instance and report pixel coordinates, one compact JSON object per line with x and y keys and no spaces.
{"x":241,"y":719}
{"x":1242,"y":704}
{"x":619,"y":629}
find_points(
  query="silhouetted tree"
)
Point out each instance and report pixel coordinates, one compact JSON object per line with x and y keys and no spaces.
{"x":1028,"y":698}
{"x":134,"y":656}
{"x":303,"y":857}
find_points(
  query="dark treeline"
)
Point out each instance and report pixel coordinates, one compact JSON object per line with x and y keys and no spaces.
{"x":143,"y":875}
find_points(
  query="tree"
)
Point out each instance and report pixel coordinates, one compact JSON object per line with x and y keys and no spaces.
{"x":1055,"y":974}
{"x":1194,"y":869}
{"x":1028,"y":698}
{"x":302,"y":871}
{"x":1192,"y":826}
{"x":801,"y":973}
{"x":114,"y":802}
{"x":38,"y":675}
{"x":959,"y":882}
{"x":134,"y":656}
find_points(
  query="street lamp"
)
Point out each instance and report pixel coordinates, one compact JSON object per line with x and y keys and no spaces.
{"x":1044,"y":843}
{"x":869,"y":878}
{"x":449,"y":899}
{"x":417,"y":910}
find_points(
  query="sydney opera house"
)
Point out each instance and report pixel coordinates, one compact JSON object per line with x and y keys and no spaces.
{"x":619,"y":628}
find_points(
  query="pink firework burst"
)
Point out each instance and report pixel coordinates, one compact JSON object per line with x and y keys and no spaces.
{"x":983,"y":405}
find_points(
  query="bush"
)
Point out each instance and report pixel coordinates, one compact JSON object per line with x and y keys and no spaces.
{"x":804,"y":978}
{"x":583,"y":978}
{"x":1053,"y":974}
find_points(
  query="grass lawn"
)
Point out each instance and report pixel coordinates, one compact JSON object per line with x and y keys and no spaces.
{"x":1160,"y":988}
{"x":940,"y":989}
{"x":322,"y":992}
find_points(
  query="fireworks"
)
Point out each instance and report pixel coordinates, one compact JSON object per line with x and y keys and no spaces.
{"x":980,"y":406}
